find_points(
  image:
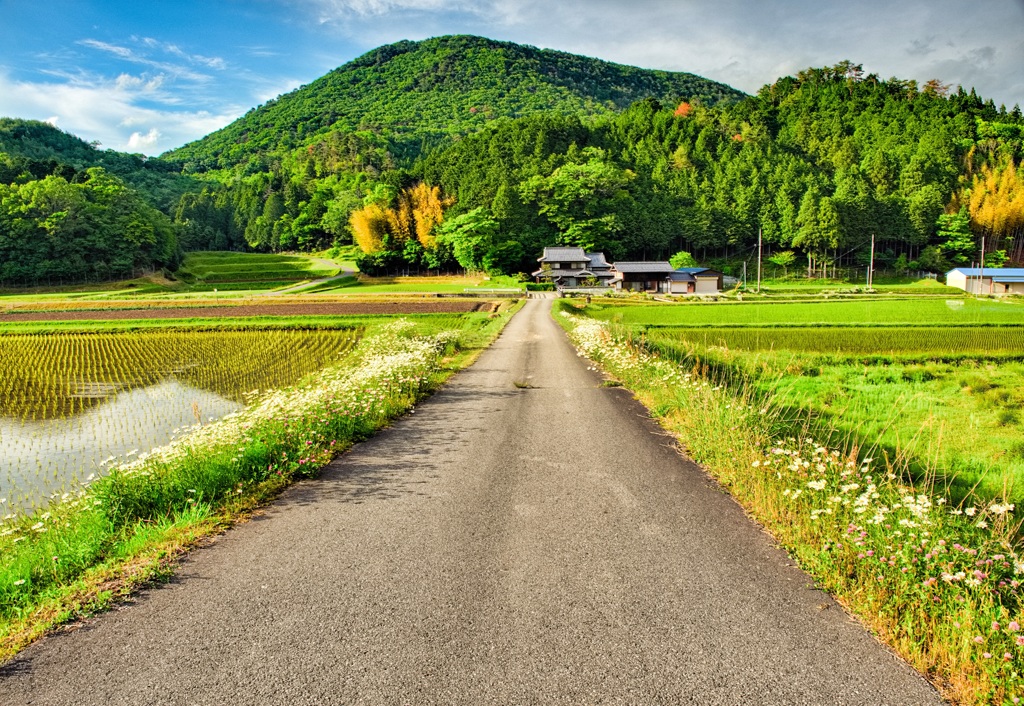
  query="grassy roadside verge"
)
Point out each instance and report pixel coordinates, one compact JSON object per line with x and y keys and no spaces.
{"x":940,"y":584}
{"x":127,"y":527}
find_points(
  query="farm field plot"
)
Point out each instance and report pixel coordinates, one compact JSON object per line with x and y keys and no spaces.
{"x":884,"y":312}
{"x":69,"y":402}
{"x":248,"y":310}
{"x":935,"y":387}
{"x":412,"y":285}
{"x":873,"y":341}
{"x":219,"y":268}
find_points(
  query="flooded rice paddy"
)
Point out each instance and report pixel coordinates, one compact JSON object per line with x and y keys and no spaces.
{"x":73,"y":404}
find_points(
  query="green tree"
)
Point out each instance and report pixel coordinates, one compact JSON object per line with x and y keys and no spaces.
{"x":955,"y":238}
{"x":470,"y":237}
{"x":783,"y":259}
{"x":583,"y":200}
{"x":682,"y":259}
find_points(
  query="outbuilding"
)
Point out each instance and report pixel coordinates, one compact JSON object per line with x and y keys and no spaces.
{"x":987,"y":280}
{"x":705,"y":281}
{"x":644,"y":276}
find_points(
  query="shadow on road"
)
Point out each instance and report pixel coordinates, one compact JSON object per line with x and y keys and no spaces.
{"x":403,"y":459}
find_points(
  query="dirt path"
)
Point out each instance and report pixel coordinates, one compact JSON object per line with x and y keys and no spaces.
{"x":299,"y":288}
{"x":527,"y":536}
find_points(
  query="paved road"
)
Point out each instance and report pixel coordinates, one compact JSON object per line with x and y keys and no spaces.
{"x":503,"y":545}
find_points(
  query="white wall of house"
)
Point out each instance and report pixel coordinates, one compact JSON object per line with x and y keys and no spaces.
{"x":957,"y":279}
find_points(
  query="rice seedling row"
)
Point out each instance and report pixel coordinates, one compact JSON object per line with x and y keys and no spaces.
{"x":874,"y":340}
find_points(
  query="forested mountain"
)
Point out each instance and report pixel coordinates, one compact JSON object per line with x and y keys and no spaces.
{"x":463,"y":152}
{"x":290,"y":173}
{"x":412,"y":95}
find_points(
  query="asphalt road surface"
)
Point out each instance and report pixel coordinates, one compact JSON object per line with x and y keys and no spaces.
{"x":502,"y":545}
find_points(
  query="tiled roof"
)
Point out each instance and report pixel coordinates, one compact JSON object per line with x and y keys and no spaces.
{"x":691,"y":270}
{"x":678,"y":276}
{"x":660,"y":268}
{"x":557,"y":274}
{"x":597,"y":260}
{"x":564,"y":255}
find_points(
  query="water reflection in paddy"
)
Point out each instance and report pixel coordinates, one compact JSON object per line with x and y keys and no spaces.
{"x":40,"y":458}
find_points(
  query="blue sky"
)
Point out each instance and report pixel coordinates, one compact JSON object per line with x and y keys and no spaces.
{"x":150,"y":76}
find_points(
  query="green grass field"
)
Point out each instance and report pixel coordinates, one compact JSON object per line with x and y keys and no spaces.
{"x":416,"y":285}
{"x":935,"y":386}
{"x":869,"y":312}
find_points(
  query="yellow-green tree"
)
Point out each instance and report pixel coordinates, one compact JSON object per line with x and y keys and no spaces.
{"x":414,"y":214}
{"x":370,"y":227}
{"x":996,"y":205}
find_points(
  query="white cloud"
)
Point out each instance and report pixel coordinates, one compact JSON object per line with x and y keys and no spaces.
{"x":144,"y":143}
{"x":214,"y":62}
{"x":109,"y":114}
{"x":144,"y":84}
{"x":130,"y":55}
{"x":331,"y":10}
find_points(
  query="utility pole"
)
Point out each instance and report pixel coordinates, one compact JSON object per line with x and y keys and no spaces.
{"x":981,"y":270}
{"x":758,"y":260}
{"x":871,"y":267}
{"x":744,"y":274}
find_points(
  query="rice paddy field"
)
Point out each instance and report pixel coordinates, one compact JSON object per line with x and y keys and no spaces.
{"x":869,"y":312}
{"x":936,"y":387}
{"x":72,"y":404}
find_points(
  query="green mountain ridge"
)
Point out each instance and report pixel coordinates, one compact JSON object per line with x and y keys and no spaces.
{"x":420,"y":94}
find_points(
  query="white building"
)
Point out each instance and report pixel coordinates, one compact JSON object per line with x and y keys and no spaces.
{"x":988,"y":280}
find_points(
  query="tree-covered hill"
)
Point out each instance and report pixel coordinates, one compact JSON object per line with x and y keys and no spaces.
{"x":417,"y":94}
{"x":819,"y":163}
{"x":70,"y":212}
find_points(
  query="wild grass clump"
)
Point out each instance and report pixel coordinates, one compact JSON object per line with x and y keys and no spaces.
{"x":940,"y":583}
{"x":50,"y":560}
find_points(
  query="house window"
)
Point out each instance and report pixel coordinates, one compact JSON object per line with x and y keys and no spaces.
{"x":556,"y":265}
